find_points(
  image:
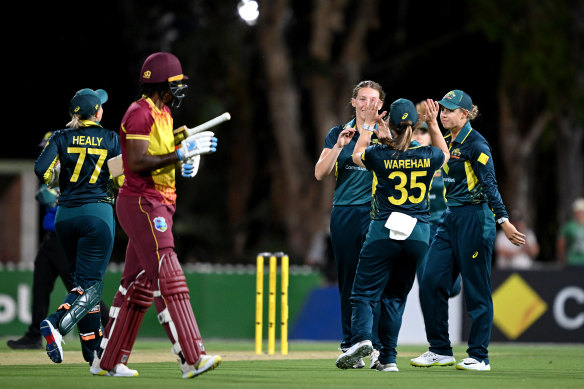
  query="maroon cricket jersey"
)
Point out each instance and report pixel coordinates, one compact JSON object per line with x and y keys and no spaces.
{"x":144,"y":121}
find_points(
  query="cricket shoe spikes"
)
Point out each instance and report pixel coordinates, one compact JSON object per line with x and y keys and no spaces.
{"x":357,"y":351}
{"x":54,"y":341}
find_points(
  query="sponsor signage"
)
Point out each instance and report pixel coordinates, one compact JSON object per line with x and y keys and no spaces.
{"x":537,"y":306}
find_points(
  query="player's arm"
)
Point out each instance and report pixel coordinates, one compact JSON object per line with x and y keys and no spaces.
{"x":140,"y":161}
{"x":326,"y":162}
{"x":483,"y":165}
{"x":362,"y":144}
{"x":371,"y":118}
{"x":432,"y":109}
{"x":47,"y":166}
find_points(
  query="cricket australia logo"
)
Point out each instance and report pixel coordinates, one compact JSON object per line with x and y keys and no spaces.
{"x":160,"y":224}
{"x":450,"y":95}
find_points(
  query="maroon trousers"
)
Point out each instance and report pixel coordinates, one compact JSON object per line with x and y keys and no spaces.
{"x":148,"y":224}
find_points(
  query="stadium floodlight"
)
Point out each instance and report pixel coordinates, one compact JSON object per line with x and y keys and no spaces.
{"x":248,"y":11}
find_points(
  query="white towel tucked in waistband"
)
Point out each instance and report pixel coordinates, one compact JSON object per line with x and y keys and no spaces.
{"x":400,"y":225}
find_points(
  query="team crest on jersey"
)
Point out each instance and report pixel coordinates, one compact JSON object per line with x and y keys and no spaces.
{"x":455,"y":153}
{"x":160,"y":224}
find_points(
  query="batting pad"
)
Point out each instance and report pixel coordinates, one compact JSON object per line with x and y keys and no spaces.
{"x":179,"y":313}
{"x":121,"y":335}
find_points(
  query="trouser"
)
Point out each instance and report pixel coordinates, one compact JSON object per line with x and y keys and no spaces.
{"x":86,"y":234}
{"x":463,"y":245}
{"x":457,"y":286}
{"x":386,"y":271}
{"x":151,"y":272}
{"x":349,"y":226}
{"x":49,"y":264}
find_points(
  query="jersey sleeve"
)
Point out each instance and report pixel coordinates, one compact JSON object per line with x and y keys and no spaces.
{"x":482,"y":163}
{"x":138,"y":124}
{"x":367,"y":157}
{"x":332,"y":137}
{"x":436,"y":158}
{"x":43,"y":166}
{"x":116,"y":149}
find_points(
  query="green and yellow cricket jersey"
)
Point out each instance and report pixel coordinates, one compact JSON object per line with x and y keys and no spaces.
{"x":353,"y":185}
{"x":83,"y":153}
{"x":469,"y":176}
{"x":402,"y":179}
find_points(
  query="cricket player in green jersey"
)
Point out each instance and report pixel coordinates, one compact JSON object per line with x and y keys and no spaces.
{"x":399,"y":232}
{"x":464,"y":240}
{"x":350,"y":215}
{"x":84,"y":223}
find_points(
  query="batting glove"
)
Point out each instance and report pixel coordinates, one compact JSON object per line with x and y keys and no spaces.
{"x":201,"y":143}
{"x":190,"y":166}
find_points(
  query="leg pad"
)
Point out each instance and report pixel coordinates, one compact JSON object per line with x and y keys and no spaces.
{"x":125,"y":322}
{"x":178,"y":312}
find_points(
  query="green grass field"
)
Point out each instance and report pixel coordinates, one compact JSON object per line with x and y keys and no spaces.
{"x":308,"y":365}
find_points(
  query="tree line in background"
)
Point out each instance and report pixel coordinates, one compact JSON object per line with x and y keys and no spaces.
{"x":287,"y":80}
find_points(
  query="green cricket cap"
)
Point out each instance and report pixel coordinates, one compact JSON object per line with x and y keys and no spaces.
{"x":86,"y":102}
{"x":456,"y":99}
{"x":402,"y":110}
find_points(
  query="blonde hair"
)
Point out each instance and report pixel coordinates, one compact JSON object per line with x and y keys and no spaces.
{"x":404,"y":136}
{"x":421,"y":108}
{"x":76,"y":121}
{"x":472,"y":115}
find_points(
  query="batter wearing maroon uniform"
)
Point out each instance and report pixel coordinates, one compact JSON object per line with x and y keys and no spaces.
{"x":145,"y":208}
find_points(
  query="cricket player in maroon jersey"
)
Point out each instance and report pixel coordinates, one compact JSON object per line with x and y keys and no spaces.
{"x":145,"y":208}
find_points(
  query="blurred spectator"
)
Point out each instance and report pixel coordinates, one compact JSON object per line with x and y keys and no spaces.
{"x":509,"y":256}
{"x":570,"y":244}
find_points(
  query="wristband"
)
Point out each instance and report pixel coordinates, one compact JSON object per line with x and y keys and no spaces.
{"x":502,"y":220}
{"x":368,"y":127}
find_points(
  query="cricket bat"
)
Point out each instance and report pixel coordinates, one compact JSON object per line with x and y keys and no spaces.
{"x":115,"y":164}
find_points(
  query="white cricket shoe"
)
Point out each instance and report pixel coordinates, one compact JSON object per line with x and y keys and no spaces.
{"x":431,"y":359}
{"x":473,"y":364}
{"x":54,"y":340}
{"x":374,"y":359}
{"x":387,"y":367}
{"x":204,"y":364}
{"x":119,"y":370}
{"x":357,"y":351}
{"x":359,"y":364}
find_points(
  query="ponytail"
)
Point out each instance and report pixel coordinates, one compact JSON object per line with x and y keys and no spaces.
{"x":403,"y":139}
{"x":75,"y":122}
